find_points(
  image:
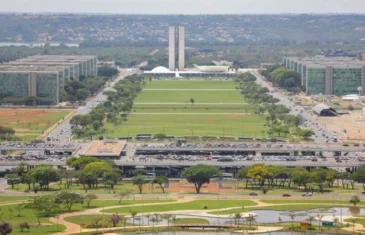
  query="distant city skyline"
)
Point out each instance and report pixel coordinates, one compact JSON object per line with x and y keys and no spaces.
{"x":185,"y":6}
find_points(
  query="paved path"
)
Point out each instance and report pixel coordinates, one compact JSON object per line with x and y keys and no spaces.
{"x":189,"y":113}
{"x":174,"y":89}
{"x":188,"y":103}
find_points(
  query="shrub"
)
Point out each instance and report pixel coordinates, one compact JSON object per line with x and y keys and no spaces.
{"x":5,"y":228}
{"x":204,"y":207}
{"x":23,"y":225}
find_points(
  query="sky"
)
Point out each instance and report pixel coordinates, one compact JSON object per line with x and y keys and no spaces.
{"x":185,"y":6}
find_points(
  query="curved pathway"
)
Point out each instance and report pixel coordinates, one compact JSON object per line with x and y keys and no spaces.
{"x":75,"y":228}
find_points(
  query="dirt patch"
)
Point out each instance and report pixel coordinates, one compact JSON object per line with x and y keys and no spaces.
{"x":236,"y":115}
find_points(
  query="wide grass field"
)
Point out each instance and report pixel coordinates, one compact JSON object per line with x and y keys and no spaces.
{"x":193,"y":205}
{"x":164,"y":106}
{"x":29,"y":123}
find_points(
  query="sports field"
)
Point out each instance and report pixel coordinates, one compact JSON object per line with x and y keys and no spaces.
{"x":29,"y":123}
{"x":164,"y":106}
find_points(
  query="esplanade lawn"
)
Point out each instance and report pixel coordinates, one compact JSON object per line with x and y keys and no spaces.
{"x":186,"y":107}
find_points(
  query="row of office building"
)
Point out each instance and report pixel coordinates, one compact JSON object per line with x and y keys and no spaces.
{"x":329,"y":75}
{"x":44,"y":76}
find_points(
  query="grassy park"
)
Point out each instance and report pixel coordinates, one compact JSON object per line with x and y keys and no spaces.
{"x":30,"y":123}
{"x":165,"y":106}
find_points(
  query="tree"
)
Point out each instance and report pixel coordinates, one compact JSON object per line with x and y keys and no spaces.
{"x":19,"y":208}
{"x":355,"y":200}
{"x":27,"y":179}
{"x":133,"y":214}
{"x":319,"y":218}
{"x":159,"y":136}
{"x":23,"y":225}
{"x":115,"y":219}
{"x":259,"y":173}
{"x":5,"y":228}
{"x":69,"y":199}
{"x":43,"y":175}
{"x":12,"y":179}
{"x":88,"y":198}
{"x":237,"y":217}
{"x":264,"y":190}
{"x":139,"y":180}
{"x":160,"y":180}
{"x":81,"y":162}
{"x":311,"y":219}
{"x":305,"y":134}
{"x":192,"y":100}
{"x":139,"y":171}
{"x":122,"y":194}
{"x":292,"y":217}
{"x":96,"y":220}
{"x":359,"y":175}
{"x":200,"y":174}
{"x":43,"y":206}
{"x":250,"y":219}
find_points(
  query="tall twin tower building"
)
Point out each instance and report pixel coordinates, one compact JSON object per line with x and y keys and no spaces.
{"x":176,"y":48}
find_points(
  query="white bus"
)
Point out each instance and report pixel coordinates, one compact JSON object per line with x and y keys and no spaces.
{"x":227,"y":176}
{"x":151,"y":175}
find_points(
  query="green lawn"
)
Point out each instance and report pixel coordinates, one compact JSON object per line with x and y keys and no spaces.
{"x":190,"y":221}
{"x":190,"y":84}
{"x":188,"y":125}
{"x":345,"y":201}
{"x":10,"y":214}
{"x":281,"y":207}
{"x":4,"y":199}
{"x":85,"y":220}
{"x":176,"y":96}
{"x":193,"y":205}
{"x":100,"y":190}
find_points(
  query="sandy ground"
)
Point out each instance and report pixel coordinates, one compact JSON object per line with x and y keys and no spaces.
{"x":353,"y":123}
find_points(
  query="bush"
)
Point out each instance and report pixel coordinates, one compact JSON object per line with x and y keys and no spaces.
{"x":350,"y":108}
{"x":36,"y":189}
{"x":23,"y":225}
{"x":5,"y":228}
{"x":204,"y":207}
{"x":264,"y":190}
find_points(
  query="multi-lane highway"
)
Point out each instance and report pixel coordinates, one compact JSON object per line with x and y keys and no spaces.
{"x":63,"y":131}
{"x":322,"y":135}
{"x":176,"y":163}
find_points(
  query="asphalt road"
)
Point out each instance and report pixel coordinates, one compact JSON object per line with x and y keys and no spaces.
{"x":63,"y":132}
{"x":321,"y":133}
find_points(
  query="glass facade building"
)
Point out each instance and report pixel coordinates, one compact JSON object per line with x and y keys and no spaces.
{"x":329,"y":75}
{"x":43,"y":75}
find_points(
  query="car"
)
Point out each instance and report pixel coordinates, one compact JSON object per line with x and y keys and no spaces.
{"x":307,"y":194}
{"x":356,"y":144}
{"x":286,"y":195}
{"x":345,"y":145}
{"x":253,"y":194}
{"x":363,"y":193}
{"x":338,"y":160}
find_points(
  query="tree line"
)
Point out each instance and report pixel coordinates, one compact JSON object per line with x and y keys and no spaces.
{"x":285,"y":78}
{"x":115,"y":110}
{"x":277,"y":117}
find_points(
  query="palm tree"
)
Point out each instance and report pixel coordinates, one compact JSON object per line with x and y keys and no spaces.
{"x":174,"y":219}
{"x":133,"y":214}
{"x":292,"y":217}
{"x":167,"y":217}
{"x":156,"y":217}
{"x":311,"y":219}
{"x":237,"y":217}
{"x":148,"y":216}
{"x":353,"y":220}
{"x":320,"y":217}
{"x":250,"y":219}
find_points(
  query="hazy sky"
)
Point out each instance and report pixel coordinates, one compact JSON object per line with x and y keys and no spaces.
{"x":185,"y":6}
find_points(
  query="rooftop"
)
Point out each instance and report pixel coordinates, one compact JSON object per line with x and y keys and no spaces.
{"x":323,"y":61}
{"x":105,"y":148}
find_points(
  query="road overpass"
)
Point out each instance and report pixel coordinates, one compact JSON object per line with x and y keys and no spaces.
{"x":58,"y":149}
{"x":329,"y":148}
{"x":175,"y":163}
